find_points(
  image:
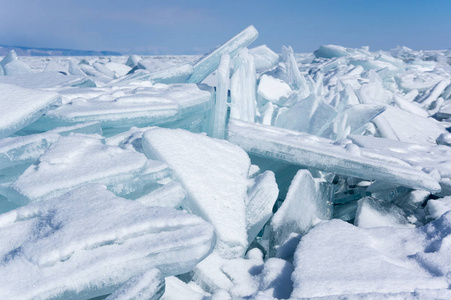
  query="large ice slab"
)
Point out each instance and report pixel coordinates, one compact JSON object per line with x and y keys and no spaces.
{"x":210,"y":62}
{"x":336,"y":258}
{"x":75,"y":160}
{"x":214,"y":174}
{"x":89,"y":242}
{"x":145,"y":106}
{"x":312,"y":151}
{"x":22,"y":150}
{"x":20,"y":107}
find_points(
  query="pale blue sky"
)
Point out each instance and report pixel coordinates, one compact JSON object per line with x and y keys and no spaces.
{"x":187,"y":27}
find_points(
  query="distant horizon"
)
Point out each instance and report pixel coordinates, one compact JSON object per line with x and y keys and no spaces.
{"x":115,"y":53}
{"x":175,"y":27}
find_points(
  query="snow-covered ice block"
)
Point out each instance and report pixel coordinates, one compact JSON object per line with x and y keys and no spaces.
{"x":336,"y":258}
{"x":261,"y":196}
{"x":264,"y":58}
{"x":309,"y":201}
{"x":375,"y":213}
{"x":89,"y":242}
{"x":323,"y":154}
{"x":175,"y":289}
{"x":20,"y":107}
{"x":147,"y":286}
{"x":214,"y":174}
{"x":210,"y":62}
{"x":149,"y":106}
{"x":242,"y":88}
{"x":438,"y":207}
{"x":275,"y":279}
{"x":273,"y":89}
{"x":77,"y":159}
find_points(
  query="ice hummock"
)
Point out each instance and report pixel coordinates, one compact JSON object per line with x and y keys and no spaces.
{"x":341,"y":133}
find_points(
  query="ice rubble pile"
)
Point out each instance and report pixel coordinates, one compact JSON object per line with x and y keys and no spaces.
{"x":239,"y":174}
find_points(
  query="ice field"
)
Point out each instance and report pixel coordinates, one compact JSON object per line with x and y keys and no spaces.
{"x":246,"y":173}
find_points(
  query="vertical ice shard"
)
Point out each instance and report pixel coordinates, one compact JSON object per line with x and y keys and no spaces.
{"x":222,"y":89}
{"x":214,"y":174}
{"x":293,"y":76}
{"x":210,"y":62}
{"x":260,"y":200}
{"x":243,"y":87}
{"x":147,"y":286}
{"x":20,"y":107}
{"x":309,"y":201}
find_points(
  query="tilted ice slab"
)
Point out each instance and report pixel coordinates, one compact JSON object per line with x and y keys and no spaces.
{"x":89,"y":242}
{"x":76,"y":160}
{"x":322,"y":154}
{"x":336,"y":258}
{"x":20,"y":107}
{"x":214,"y":174}
{"x":152,"y":105}
{"x":261,"y":196}
{"x":309,"y":201}
{"x":210,"y":62}
{"x":427,"y":157}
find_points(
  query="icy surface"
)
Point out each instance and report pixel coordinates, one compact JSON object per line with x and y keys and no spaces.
{"x":400,"y":260}
{"x":89,"y":242}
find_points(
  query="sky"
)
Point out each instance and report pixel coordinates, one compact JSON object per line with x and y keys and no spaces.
{"x":196,"y":27}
